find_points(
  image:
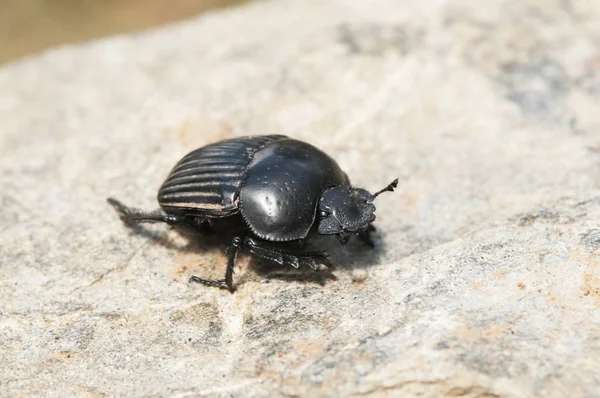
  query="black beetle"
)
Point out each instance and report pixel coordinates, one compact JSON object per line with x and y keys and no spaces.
{"x":276,"y":188}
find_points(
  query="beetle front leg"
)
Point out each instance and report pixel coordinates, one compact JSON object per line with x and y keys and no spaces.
{"x":226,"y":283}
{"x":285,"y":257}
{"x":365,"y":236}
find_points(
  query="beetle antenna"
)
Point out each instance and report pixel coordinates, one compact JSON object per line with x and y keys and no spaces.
{"x":389,"y":188}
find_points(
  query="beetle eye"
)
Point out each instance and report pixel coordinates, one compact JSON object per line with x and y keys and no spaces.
{"x":323,"y":214}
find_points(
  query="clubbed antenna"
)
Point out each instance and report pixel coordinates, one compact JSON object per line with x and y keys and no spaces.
{"x":390,"y":188}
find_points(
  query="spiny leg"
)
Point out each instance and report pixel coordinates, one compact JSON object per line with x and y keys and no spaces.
{"x":286,"y":257}
{"x":131,"y":216}
{"x":226,"y":283}
{"x":365,"y":236}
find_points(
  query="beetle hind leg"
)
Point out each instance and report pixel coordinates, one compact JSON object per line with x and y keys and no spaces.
{"x":130,"y":215}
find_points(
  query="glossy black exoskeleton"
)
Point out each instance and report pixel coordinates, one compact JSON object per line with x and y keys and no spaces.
{"x":279,"y":189}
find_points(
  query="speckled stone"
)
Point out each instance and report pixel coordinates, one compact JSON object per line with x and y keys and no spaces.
{"x":486,"y":280}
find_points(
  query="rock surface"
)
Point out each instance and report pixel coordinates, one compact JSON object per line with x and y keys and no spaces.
{"x":487,"y":278}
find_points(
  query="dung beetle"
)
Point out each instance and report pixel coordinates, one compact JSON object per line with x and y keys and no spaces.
{"x":272,"y":190}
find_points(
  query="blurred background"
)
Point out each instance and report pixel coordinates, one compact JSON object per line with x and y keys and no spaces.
{"x":28,"y":26}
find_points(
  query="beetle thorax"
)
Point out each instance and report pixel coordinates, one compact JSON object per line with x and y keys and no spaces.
{"x":345,"y":209}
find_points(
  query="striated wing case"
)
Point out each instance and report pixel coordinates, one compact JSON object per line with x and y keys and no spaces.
{"x":206,"y":181}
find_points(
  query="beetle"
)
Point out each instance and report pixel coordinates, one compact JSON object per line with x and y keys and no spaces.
{"x":273,"y":191}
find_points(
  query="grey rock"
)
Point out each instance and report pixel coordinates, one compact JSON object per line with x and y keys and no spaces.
{"x":486,"y":282}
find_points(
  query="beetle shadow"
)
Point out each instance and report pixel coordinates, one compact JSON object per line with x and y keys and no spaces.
{"x":264,"y":269}
{"x":354,"y":255}
{"x":197,"y":243}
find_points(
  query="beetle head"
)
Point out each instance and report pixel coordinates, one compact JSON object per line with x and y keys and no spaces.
{"x":346,"y":210}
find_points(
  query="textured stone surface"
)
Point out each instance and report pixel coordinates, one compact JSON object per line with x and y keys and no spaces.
{"x":487,"y":281}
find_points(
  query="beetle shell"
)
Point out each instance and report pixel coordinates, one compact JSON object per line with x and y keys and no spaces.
{"x":283,"y":185}
{"x":274,"y":182}
{"x":206,"y":181}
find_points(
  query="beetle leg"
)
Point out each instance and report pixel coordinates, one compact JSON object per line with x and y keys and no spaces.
{"x":132,"y":216}
{"x":232,"y":250}
{"x":284,"y":257}
{"x":343,"y":238}
{"x":209,"y":282}
{"x":265,"y":252}
{"x":226,"y":283}
{"x":365,"y":236}
{"x":313,"y":259}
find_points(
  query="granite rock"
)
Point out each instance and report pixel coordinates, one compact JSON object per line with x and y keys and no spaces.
{"x":486,"y":280}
